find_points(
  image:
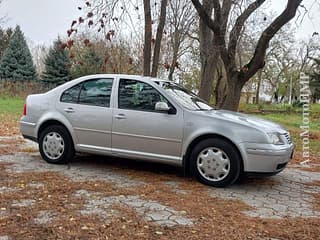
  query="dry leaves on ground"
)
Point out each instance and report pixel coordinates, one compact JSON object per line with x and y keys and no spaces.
{"x":216,"y":217}
{"x":9,"y":125}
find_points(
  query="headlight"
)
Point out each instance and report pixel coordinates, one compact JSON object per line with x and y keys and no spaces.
{"x":275,"y":138}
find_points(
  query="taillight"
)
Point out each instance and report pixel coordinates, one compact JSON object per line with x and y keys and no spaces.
{"x":25,"y":109}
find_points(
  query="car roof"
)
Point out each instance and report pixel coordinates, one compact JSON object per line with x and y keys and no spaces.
{"x":137,"y":77}
{"x":87,"y":77}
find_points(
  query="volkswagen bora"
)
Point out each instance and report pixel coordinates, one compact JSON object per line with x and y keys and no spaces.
{"x":156,"y":120}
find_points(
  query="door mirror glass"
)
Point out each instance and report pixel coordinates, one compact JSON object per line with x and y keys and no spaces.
{"x":162,"y":106}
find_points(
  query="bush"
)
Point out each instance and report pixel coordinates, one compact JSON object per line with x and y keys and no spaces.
{"x":22,"y":89}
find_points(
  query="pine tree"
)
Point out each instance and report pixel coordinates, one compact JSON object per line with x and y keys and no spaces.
{"x":16,"y":62}
{"x":57,"y":64}
{"x":90,"y":63}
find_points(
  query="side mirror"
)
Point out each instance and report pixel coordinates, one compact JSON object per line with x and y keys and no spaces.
{"x":162,"y":107}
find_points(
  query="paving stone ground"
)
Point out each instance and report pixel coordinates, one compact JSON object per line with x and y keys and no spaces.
{"x":152,"y":211}
{"x":4,"y":238}
{"x":288,"y":194}
{"x":45,"y":217}
{"x":23,"y":203}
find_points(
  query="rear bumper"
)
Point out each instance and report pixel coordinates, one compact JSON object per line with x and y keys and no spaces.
{"x":28,"y":130}
{"x":266,"y":159}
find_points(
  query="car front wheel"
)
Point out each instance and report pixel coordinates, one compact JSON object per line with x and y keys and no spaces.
{"x":215,"y":162}
{"x":56,"y":145}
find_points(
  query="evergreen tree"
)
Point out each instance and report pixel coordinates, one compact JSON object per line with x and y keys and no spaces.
{"x":90,"y":63}
{"x":57,"y":64}
{"x":16,"y":62}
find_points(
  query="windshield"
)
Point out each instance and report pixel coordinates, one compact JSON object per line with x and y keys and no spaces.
{"x":185,"y":97}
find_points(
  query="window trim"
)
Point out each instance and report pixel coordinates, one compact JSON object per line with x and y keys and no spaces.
{"x":81,"y":84}
{"x":174,"y":110}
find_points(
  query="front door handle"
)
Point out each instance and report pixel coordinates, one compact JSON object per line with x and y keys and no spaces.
{"x":120,"y":116}
{"x":69,"y":110}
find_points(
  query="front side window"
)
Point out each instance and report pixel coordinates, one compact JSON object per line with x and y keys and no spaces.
{"x":95,"y":92}
{"x":136,"y":95}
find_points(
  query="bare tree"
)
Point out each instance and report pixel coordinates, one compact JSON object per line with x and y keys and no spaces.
{"x":236,"y":78}
{"x":181,"y":18}
{"x":109,"y":17}
{"x":157,"y":45}
{"x":39,"y":53}
{"x":5,"y":35}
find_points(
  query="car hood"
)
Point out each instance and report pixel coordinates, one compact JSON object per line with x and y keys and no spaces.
{"x":244,"y":119}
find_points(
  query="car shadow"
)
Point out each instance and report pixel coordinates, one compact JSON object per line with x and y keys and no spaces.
{"x":125,"y":164}
{"x":146,"y":167}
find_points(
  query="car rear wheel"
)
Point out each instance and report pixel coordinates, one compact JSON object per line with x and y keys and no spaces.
{"x":56,"y":145}
{"x":215,"y":162}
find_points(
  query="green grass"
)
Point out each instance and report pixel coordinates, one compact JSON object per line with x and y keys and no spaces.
{"x":315,"y":109}
{"x":254,"y":108}
{"x":293,"y":121}
{"x":11,"y":105}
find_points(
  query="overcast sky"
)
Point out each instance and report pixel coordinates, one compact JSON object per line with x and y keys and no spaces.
{"x":43,"y":20}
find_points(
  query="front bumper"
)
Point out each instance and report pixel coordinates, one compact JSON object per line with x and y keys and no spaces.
{"x":266,"y":158}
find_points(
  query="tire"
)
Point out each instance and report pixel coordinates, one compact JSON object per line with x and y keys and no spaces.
{"x":56,"y":145}
{"x":215,"y":162}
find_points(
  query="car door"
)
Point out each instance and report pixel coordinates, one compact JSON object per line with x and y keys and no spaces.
{"x":87,"y":107}
{"x":140,"y":131}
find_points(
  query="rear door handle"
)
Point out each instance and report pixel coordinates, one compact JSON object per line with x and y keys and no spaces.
{"x":120,"y":116}
{"x":69,"y":110}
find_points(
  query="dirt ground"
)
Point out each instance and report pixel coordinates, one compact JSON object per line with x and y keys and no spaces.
{"x":105,"y":198}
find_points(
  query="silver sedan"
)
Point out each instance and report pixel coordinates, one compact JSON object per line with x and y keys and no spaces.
{"x":156,"y":120}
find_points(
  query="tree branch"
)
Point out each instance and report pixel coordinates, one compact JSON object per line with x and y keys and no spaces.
{"x":257,"y":60}
{"x":236,"y":30}
{"x":205,"y":17}
{"x":225,"y":11}
{"x":217,"y":25}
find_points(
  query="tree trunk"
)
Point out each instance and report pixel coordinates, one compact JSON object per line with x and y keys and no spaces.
{"x":208,"y":65}
{"x":220,"y":90}
{"x":156,"y":52}
{"x":233,"y":93}
{"x":258,"y":87}
{"x":176,"y":47}
{"x":207,"y":55}
{"x":172,"y":66}
{"x":147,"y":38}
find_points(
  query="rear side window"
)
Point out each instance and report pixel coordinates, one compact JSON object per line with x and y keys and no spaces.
{"x":95,"y":92}
{"x":71,"y":95}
